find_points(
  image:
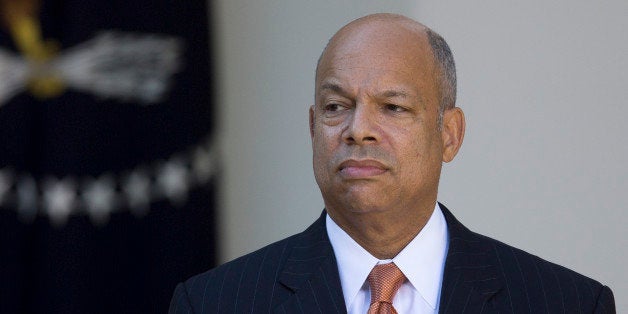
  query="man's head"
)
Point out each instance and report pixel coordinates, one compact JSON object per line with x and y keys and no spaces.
{"x":384,"y":117}
{"x":443,"y":58}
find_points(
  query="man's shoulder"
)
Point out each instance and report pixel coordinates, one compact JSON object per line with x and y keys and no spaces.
{"x":529,"y":264}
{"x":505,"y":256}
{"x":252,"y":281}
{"x":272,"y":256}
{"x":235,"y":280}
{"x":515,"y":279}
{"x":543,"y":284}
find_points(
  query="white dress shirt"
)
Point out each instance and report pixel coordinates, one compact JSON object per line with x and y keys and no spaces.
{"x":422,"y":261}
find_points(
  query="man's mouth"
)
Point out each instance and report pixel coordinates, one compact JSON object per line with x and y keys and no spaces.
{"x":361,"y":169}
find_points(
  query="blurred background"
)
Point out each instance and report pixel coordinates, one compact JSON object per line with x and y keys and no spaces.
{"x":107,"y":167}
{"x":143,"y":142}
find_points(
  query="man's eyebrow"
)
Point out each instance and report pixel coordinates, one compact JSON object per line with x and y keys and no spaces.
{"x":333,"y":87}
{"x":392,"y":93}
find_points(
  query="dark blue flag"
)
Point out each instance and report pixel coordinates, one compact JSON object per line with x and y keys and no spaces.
{"x":107,"y":164}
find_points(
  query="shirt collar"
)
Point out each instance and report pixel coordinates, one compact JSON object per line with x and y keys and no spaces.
{"x":422,"y":261}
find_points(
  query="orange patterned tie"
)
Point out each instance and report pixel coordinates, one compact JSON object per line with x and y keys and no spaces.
{"x":385,"y":280}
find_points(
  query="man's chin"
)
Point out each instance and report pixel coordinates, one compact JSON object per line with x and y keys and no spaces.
{"x":365,"y":201}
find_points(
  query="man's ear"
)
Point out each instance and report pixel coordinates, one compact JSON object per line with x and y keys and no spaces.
{"x":452,"y":132}
{"x":312,"y":121}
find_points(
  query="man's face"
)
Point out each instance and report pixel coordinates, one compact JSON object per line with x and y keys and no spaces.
{"x":374,"y":129}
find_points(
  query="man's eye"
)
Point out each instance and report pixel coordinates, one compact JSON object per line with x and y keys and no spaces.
{"x":395,"y":108}
{"x":333,"y":107}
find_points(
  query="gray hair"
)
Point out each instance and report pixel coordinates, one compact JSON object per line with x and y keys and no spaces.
{"x":446,"y":67}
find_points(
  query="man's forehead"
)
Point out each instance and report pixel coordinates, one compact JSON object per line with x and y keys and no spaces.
{"x":401,"y":61}
{"x":373,"y":37}
{"x":379,"y":43}
{"x":379,"y":27}
{"x":400,"y":92}
{"x":380,"y":21}
{"x":372,"y":67}
{"x":394,"y":88}
{"x":385,"y":75}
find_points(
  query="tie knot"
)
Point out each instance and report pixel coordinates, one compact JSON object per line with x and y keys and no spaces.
{"x":385,"y":280}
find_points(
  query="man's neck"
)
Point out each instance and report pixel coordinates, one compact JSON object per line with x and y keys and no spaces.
{"x":382,"y":233}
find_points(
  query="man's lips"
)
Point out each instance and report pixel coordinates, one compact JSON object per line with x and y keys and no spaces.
{"x":355,"y":169}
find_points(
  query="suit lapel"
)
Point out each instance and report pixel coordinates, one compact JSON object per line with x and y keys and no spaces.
{"x":311,"y":274}
{"x":471,"y":277}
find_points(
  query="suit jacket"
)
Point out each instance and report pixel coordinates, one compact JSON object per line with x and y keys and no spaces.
{"x":299,"y":275}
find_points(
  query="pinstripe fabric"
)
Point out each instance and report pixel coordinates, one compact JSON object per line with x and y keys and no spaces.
{"x":295,"y":275}
{"x":299,"y":275}
{"x":483,"y":275}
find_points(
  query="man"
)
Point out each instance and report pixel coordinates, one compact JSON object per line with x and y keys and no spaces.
{"x":383,"y":121}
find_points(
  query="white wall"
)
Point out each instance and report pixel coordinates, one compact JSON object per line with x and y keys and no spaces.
{"x":544,"y":86}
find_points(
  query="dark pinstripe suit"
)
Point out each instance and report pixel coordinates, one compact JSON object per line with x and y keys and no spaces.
{"x":299,"y":275}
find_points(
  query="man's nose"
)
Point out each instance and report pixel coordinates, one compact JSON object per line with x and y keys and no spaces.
{"x":362,"y":128}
